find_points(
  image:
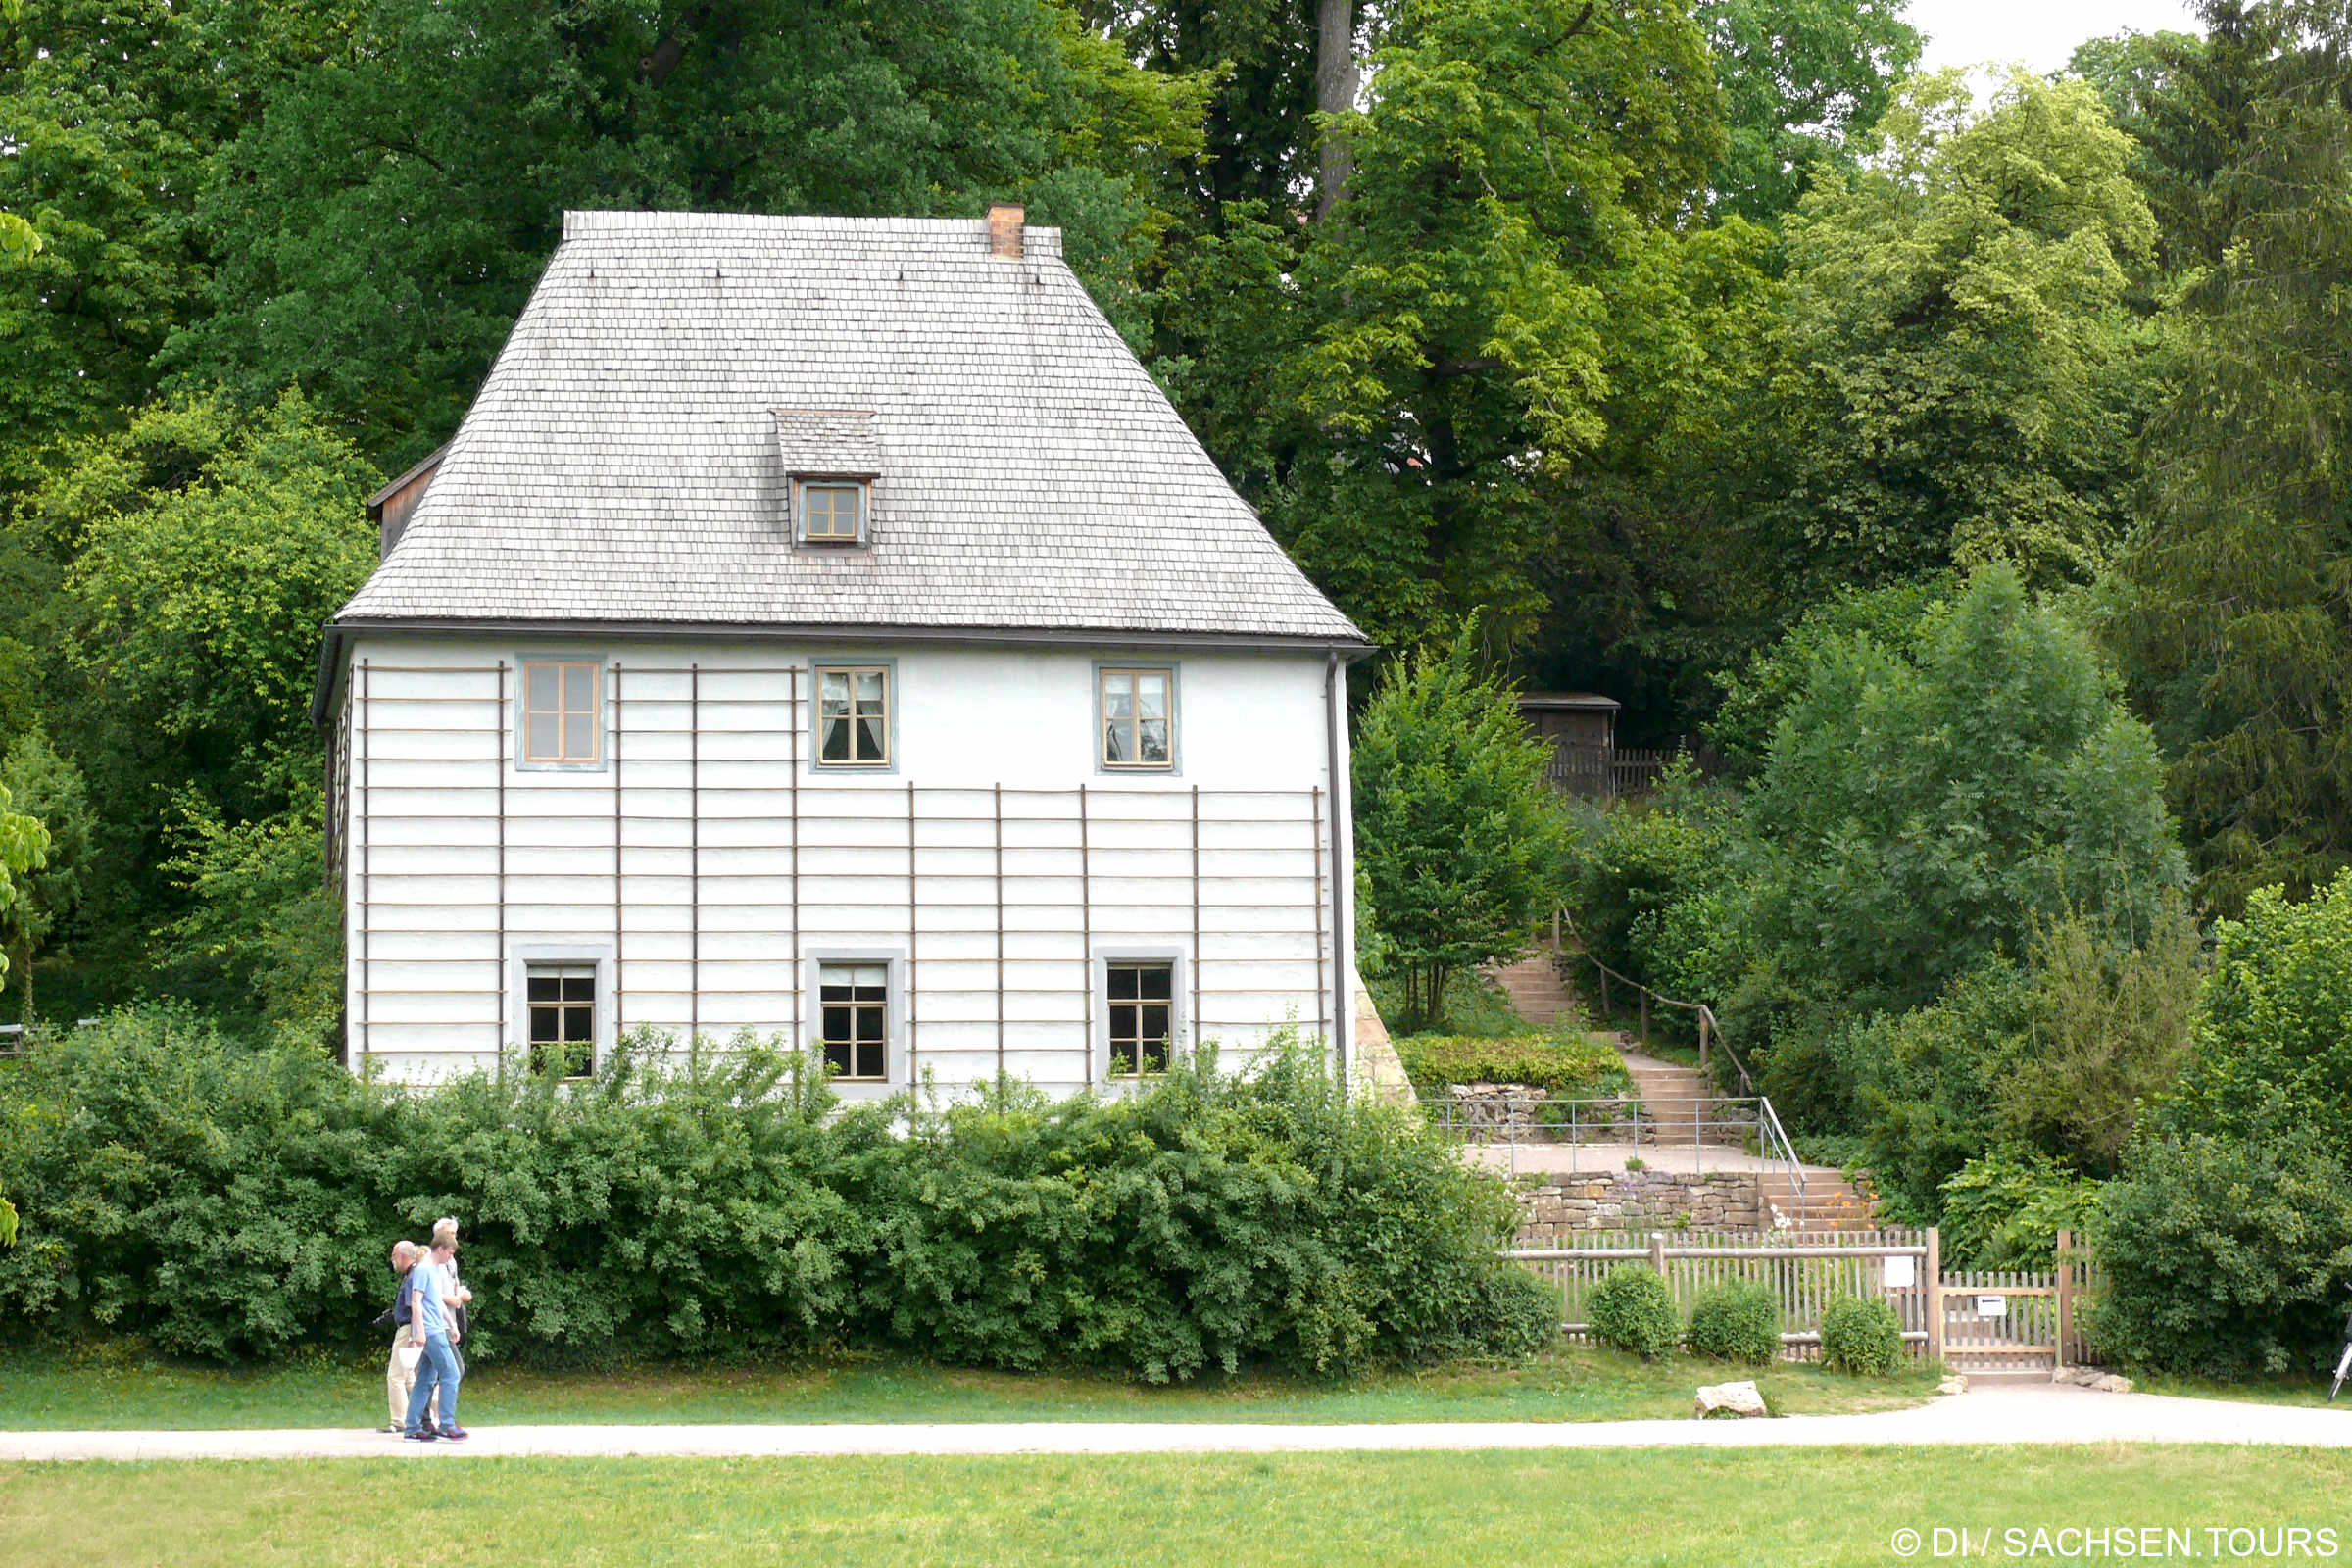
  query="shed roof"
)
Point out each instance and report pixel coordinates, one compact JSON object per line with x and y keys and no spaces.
{"x":629,"y":457}
{"x":1570,"y":701}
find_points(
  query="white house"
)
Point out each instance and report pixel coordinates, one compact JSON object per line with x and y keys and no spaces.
{"x":825,"y":627}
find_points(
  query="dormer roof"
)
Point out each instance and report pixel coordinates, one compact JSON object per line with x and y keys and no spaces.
{"x":629,"y":462}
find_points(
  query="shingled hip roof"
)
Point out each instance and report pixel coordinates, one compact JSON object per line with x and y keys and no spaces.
{"x":629,"y":457}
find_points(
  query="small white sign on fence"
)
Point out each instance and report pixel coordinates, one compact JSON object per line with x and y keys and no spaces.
{"x":1899,"y":1275}
{"x":1992,"y":1307}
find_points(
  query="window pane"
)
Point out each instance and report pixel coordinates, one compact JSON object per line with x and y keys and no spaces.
{"x":869,"y":1023}
{"x":1119,"y":697}
{"x":1114,"y":743}
{"x":870,"y":691}
{"x":837,"y":1021}
{"x":1153,"y":740}
{"x":1156,"y":981}
{"x":833,"y":693}
{"x":579,"y":741}
{"x":869,"y":740}
{"x":580,"y":1023}
{"x":837,"y":1056}
{"x":579,"y":688}
{"x":1122,"y":1021}
{"x":542,"y":745}
{"x":871,"y":1063}
{"x":1155,"y":1054}
{"x":870,"y":974}
{"x":1152,"y":695}
{"x":543,"y":1024}
{"x":1154,"y":1022}
{"x":580,"y":988}
{"x":836,"y":743}
{"x":1123,"y":981}
{"x":543,"y":988}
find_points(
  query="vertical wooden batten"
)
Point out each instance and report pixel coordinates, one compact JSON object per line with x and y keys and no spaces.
{"x":498,"y":718}
{"x":367,"y":858}
{"x":693,"y":858}
{"x":620,"y":933}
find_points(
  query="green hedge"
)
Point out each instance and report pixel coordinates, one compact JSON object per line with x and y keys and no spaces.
{"x":1570,"y":1064}
{"x":234,"y":1204}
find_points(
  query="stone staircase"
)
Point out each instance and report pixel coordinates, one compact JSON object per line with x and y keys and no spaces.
{"x":1666,"y":1090}
{"x":1538,"y":993}
{"x":1831,"y":1202}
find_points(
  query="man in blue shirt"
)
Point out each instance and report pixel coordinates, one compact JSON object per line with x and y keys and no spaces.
{"x":429,"y":1319}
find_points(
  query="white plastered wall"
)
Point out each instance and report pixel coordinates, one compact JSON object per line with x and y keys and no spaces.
{"x":736,"y":854}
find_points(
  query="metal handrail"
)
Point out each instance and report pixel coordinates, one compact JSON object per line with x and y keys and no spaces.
{"x":1540,"y":1120}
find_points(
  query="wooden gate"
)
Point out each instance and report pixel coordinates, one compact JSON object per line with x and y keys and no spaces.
{"x":2013,"y":1320}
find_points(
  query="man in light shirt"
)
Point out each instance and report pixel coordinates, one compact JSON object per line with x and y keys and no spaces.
{"x":437,"y":1371}
{"x":453,"y":1290}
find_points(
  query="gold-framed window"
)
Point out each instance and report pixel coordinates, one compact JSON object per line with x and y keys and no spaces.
{"x":1138,"y":718}
{"x":562,"y":711}
{"x":853,"y":715}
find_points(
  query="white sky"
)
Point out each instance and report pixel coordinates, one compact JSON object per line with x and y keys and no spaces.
{"x":2040,"y":32}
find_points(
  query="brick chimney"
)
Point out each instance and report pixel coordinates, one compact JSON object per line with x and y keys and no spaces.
{"x":1004,"y":230}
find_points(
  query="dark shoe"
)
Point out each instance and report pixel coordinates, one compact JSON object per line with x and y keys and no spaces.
{"x":455,"y":1433}
{"x":422,"y":1437}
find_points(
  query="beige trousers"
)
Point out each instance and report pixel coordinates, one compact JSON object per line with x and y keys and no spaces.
{"x":400,"y":1380}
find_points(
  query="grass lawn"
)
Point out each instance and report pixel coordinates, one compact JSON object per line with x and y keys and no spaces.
{"x":1571,"y":1385}
{"x":1616,"y":1507}
{"x":2263,"y":1390}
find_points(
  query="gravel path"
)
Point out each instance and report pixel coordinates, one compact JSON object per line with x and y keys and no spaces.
{"x":2031,"y":1414}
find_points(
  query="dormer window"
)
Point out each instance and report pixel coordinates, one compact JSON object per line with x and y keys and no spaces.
{"x":832,"y":511}
{"x":831,"y":458}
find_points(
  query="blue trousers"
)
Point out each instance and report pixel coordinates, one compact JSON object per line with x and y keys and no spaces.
{"x":438,"y":1369}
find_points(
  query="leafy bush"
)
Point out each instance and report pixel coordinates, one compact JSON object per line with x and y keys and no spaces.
{"x":1566,"y":1063}
{"x":1861,"y":1336}
{"x":2226,"y":1258}
{"x":1630,"y":862}
{"x":234,"y":1204}
{"x":1736,"y":1321}
{"x":2004,"y":1209}
{"x":1632,"y":1309}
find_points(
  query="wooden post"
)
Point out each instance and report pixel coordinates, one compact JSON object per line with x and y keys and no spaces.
{"x":1605,"y":1013}
{"x":1657,"y":1253}
{"x":1932,"y":1270}
{"x":1703,"y":1016}
{"x":2065,"y":1295}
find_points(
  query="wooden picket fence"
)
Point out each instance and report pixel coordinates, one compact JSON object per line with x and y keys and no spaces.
{"x":1980,"y":1322}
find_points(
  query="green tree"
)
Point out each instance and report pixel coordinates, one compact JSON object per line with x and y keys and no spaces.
{"x":47,"y":788}
{"x":379,"y":228}
{"x":1803,"y":82}
{"x":1961,"y":379}
{"x":2228,"y":613}
{"x":111,"y":113}
{"x":1456,"y":830}
{"x":197,"y":552}
{"x":1923,"y":808}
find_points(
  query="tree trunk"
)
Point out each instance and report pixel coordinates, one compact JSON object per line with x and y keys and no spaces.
{"x":1335,"y":81}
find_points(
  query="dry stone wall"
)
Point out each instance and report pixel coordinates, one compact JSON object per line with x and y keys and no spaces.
{"x":1554,"y":1206}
